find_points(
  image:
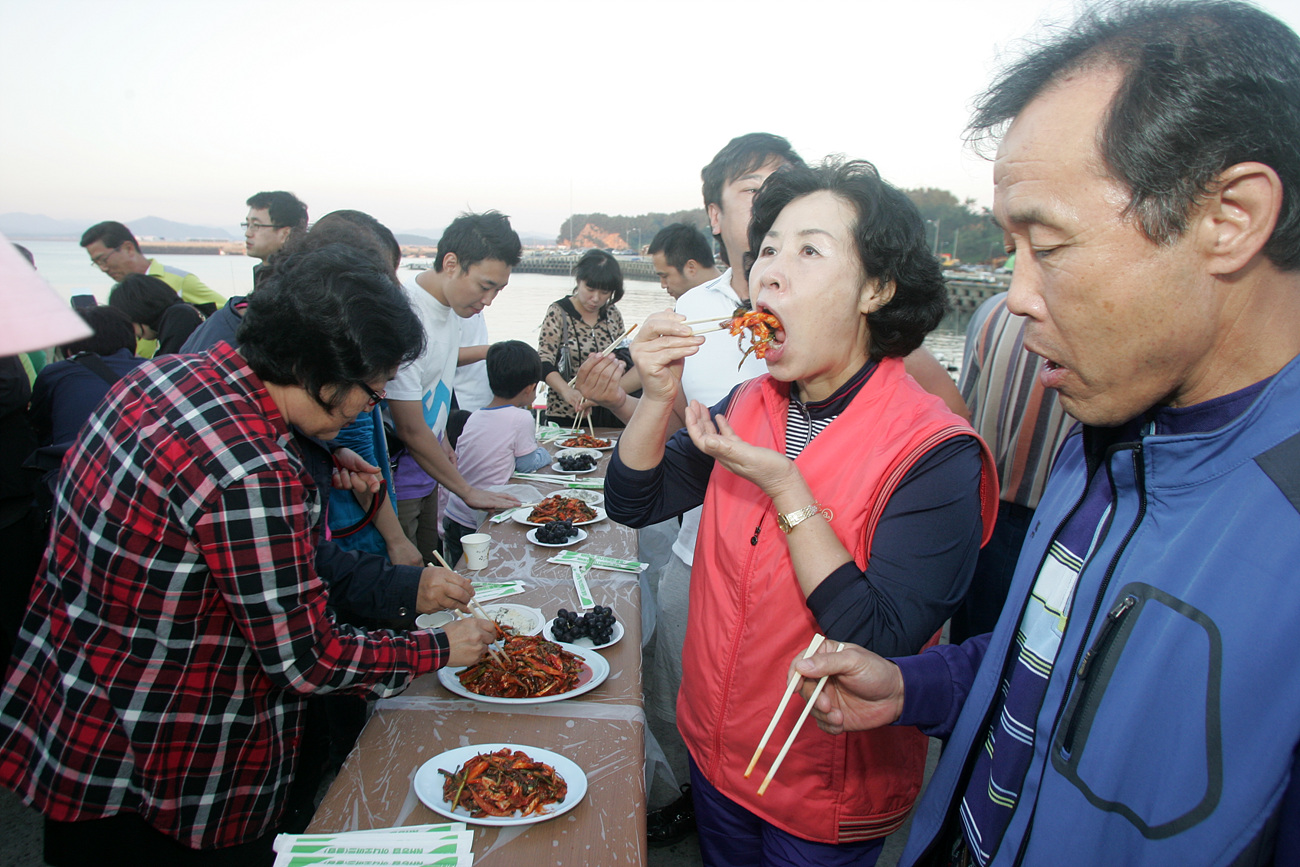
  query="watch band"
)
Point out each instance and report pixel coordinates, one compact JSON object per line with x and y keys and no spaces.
{"x":787,"y":521}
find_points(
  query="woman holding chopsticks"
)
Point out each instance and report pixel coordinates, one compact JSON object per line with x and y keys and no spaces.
{"x":840,"y":499}
{"x":584,"y":323}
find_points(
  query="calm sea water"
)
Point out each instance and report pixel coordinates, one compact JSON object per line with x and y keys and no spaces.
{"x":515,"y":315}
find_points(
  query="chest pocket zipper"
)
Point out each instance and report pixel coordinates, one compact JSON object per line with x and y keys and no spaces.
{"x":1098,"y":651}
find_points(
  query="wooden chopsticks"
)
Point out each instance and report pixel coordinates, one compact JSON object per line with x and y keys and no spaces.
{"x":493,"y":651}
{"x":785,"y":699}
{"x":609,"y":349}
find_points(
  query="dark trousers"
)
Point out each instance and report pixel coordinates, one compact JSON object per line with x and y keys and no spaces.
{"x":126,"y":840}
{"x":731,"y":836}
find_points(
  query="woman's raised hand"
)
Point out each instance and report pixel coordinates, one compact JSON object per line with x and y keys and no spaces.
{"x":662,"y":342}
{"x":764,"y":467}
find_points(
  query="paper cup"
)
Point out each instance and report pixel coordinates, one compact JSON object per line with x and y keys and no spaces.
{"x":476,"y":550}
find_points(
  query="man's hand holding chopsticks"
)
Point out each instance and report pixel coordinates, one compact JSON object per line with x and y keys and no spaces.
{"x":442,"y":589}
{"x":469,"y":639}
{"x":864,"y":691}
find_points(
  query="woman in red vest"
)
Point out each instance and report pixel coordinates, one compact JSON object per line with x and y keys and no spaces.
{"x":839,"y":498}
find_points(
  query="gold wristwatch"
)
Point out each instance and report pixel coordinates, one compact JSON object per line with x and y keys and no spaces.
{"x":787,"y":521}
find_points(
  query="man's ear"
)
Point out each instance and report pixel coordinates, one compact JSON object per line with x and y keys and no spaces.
{"x":715,"y":217}
{"x":1237,"y":219}
{"x":689,"y":269}
{"x":449,"y":263}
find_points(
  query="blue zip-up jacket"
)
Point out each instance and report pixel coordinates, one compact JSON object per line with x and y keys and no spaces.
{"x":1169,"y":731}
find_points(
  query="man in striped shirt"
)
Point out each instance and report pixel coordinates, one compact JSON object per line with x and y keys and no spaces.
{"x":1024,"y":425}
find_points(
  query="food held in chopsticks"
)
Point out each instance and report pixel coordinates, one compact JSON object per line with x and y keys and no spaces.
{"x":559,"y":508}
{"x":761,"y":326}
{"x":585,"y":441}
{"x":503,"y":783}
{"x":531,"y":667}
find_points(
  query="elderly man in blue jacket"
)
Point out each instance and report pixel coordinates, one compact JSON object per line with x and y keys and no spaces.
{"x":1139,"y":700}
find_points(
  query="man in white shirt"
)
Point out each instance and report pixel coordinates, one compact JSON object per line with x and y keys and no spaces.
{"x":475,"y":256}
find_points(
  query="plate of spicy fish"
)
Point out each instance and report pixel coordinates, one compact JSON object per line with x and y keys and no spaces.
{"x":560,"y":507}
{"x":539,"y":671}
{"x":500,"y":784}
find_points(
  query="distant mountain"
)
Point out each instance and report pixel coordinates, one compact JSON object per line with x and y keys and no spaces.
{"x":19,"y":225}
{"x":157,"y":227}
{"x":429,"y":238}
{"x":415,"y":240}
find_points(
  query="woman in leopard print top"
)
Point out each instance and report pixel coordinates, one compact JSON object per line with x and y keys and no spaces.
{"x":585,"y":322}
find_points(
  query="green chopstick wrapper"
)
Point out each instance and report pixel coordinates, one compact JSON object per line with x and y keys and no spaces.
{"x":585,"y":599}
{"x":598,"y":561}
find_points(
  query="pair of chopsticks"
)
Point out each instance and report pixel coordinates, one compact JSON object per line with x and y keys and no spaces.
{"x":495,"y":652}
{"x":608,"y":349}
{"x":717,"y":326}
{"x":785,"y":700}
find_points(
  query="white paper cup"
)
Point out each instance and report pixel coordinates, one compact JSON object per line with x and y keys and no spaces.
{"x":476,"y":550}
{"x":435,"y":620}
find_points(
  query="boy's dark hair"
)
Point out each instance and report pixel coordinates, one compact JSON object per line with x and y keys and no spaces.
{"x":329,"y":317}
{"x":742,"y":155}
{"x":455,"y":425}
{"x":143,"y":299}
{"x":110,"y":233}
{"x":478,"y":237}
{"x":680,"y":243}
{"x":284,"y":208}
{"x":512,"y":366}
{"x":113,"y":331}
{"x":600,"y":270}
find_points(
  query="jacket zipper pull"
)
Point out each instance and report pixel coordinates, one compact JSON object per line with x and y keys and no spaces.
{"x":1113,"y":617}
{"x":753,"y":540}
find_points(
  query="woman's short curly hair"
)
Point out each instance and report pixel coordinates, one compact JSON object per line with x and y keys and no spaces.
{"x":329,"y":317}
{"x":891,"y":242}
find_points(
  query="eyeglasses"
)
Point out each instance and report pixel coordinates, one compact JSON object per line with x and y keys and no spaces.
{"x":102,"y":259}
{"x":256,"y":225}
{"x":375,"y":397}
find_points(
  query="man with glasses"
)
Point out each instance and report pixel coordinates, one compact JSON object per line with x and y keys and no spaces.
{"x":272,"y":218}
{"x":115,"y":251}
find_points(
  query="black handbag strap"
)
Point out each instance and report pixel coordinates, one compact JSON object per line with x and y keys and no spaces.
{"x":92,"y":361}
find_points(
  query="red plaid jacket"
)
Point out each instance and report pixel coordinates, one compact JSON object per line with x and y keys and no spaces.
{"x":178,"y":622}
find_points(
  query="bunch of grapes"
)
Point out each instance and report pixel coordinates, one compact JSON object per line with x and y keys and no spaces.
{"x":597,"y":624}
{"x":556,"y":532}
{"x":576,"y":462}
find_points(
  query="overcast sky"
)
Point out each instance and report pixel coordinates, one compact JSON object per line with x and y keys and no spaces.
{"x":417,"y":111}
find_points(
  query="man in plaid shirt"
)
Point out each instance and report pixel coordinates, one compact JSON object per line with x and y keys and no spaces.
{"x":178,"y":622}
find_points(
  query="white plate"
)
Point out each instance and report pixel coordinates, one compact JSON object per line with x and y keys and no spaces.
{"x":616,"y":635}
{"x":612,"y":442}
{"x":591,"y":498}
{"x":595,"y":453}
{"x":573,"y":540}
{"x":521,"y":517}
{"x":524,"y":620}
{"x":555,"y":467}
{"x":428,"y":784}
{"x":596,"y":665}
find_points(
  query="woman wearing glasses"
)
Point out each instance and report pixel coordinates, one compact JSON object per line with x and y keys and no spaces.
{"x":154,"y":704}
